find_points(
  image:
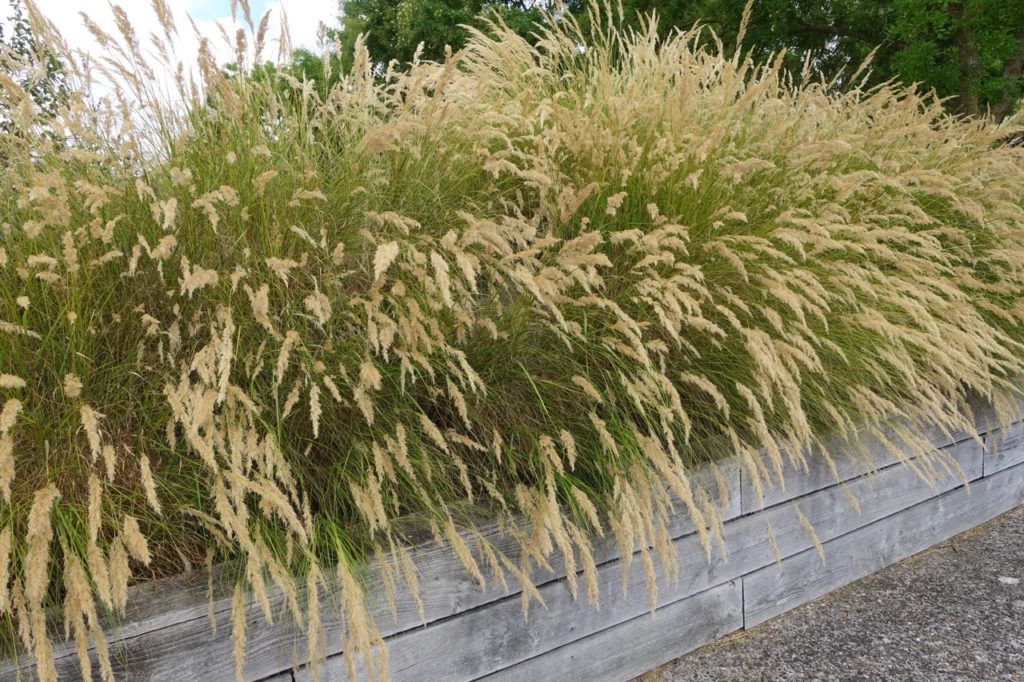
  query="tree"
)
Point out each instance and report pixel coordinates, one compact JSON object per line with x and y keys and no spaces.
{"x":322,"y":70}
{"x":395,"y":30}
{"x":36,"y":70}
{"x":971,"y":51}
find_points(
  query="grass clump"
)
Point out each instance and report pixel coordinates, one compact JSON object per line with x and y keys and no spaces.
{"x":259,"y":324}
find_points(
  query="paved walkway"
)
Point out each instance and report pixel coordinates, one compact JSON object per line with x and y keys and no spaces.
{"x":954,"y":612}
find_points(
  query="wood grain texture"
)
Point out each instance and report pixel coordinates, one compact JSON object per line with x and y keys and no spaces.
{"x":803,"y":577}
{"x":168,"y":617}
{"x":810,"y":471}
{"x":1006,"y":448}
{"x":638,"y":645}
{"x":482,"y":641}
{"x":490,"y":638}
{"x":280,"y":677}
{"x":840,"y":509}
{"x":483,"y":632}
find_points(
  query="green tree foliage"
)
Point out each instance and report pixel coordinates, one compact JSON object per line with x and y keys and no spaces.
{"x":970,"y":51}
{"x":838,"y":33}
{"x":321,"y":70}
{"x":394,"y":30}
{"x":37,"y":72}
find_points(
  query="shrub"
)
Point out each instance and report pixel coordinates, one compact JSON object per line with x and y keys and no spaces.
{"x":252,"y":325}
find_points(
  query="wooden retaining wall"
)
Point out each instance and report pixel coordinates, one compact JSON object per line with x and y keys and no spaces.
{"x":772,"y":565}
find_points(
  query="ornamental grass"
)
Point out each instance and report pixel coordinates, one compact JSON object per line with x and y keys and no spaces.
{"x":255,"y":322}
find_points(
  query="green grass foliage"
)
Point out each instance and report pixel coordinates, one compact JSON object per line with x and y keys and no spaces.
{"x":249,"y":323}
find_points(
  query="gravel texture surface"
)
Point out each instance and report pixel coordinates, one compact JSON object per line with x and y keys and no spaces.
{"x":953,"y":612}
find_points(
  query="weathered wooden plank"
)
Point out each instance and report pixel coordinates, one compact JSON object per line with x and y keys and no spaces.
{"x":1006,"y":448}
{"x":838,"y":510}
{"x":638,"y":645}
{"x":490,"y":638}
{"x":167,"y":617}
{"x":802,"y":578}
{"x":156,"y":655}
{"x":152,"y":656}
{"x":606,"y":556}
{"x":152,"y":649}
{"x":152,"y":606}
{"x":812,"y":473}
{"x":851,"y":462}
{"x":282,"y":677}
{"x":481,"y":641}
{"x":831,"y":512}
{"x":879,"y":495}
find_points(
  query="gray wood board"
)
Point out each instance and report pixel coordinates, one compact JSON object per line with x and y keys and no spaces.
{"x":802,"y":578}
{"x":832,"y":512}
{"x":281,"y":677}
{"x":496,"y":635}
{"x":638,"y":645}
{"x":167,"y":617}
{"x":1006,"y":448}
{"x":171,"y":615}
{"x":812,"y":472}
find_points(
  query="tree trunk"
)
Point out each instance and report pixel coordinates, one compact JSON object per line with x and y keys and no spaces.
{"x":967,"y":59}
{"x":1012,"y":69}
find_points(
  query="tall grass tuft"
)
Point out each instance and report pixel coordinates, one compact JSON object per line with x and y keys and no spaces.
{"x":246,"y":323}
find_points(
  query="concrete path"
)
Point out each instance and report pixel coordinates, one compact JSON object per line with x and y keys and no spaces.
{"x":954,"y":612}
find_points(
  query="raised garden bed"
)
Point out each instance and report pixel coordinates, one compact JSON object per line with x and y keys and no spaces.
{"x":773,"y":564}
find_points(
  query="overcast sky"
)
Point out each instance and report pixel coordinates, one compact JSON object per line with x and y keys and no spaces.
{"x":304,"y":17}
